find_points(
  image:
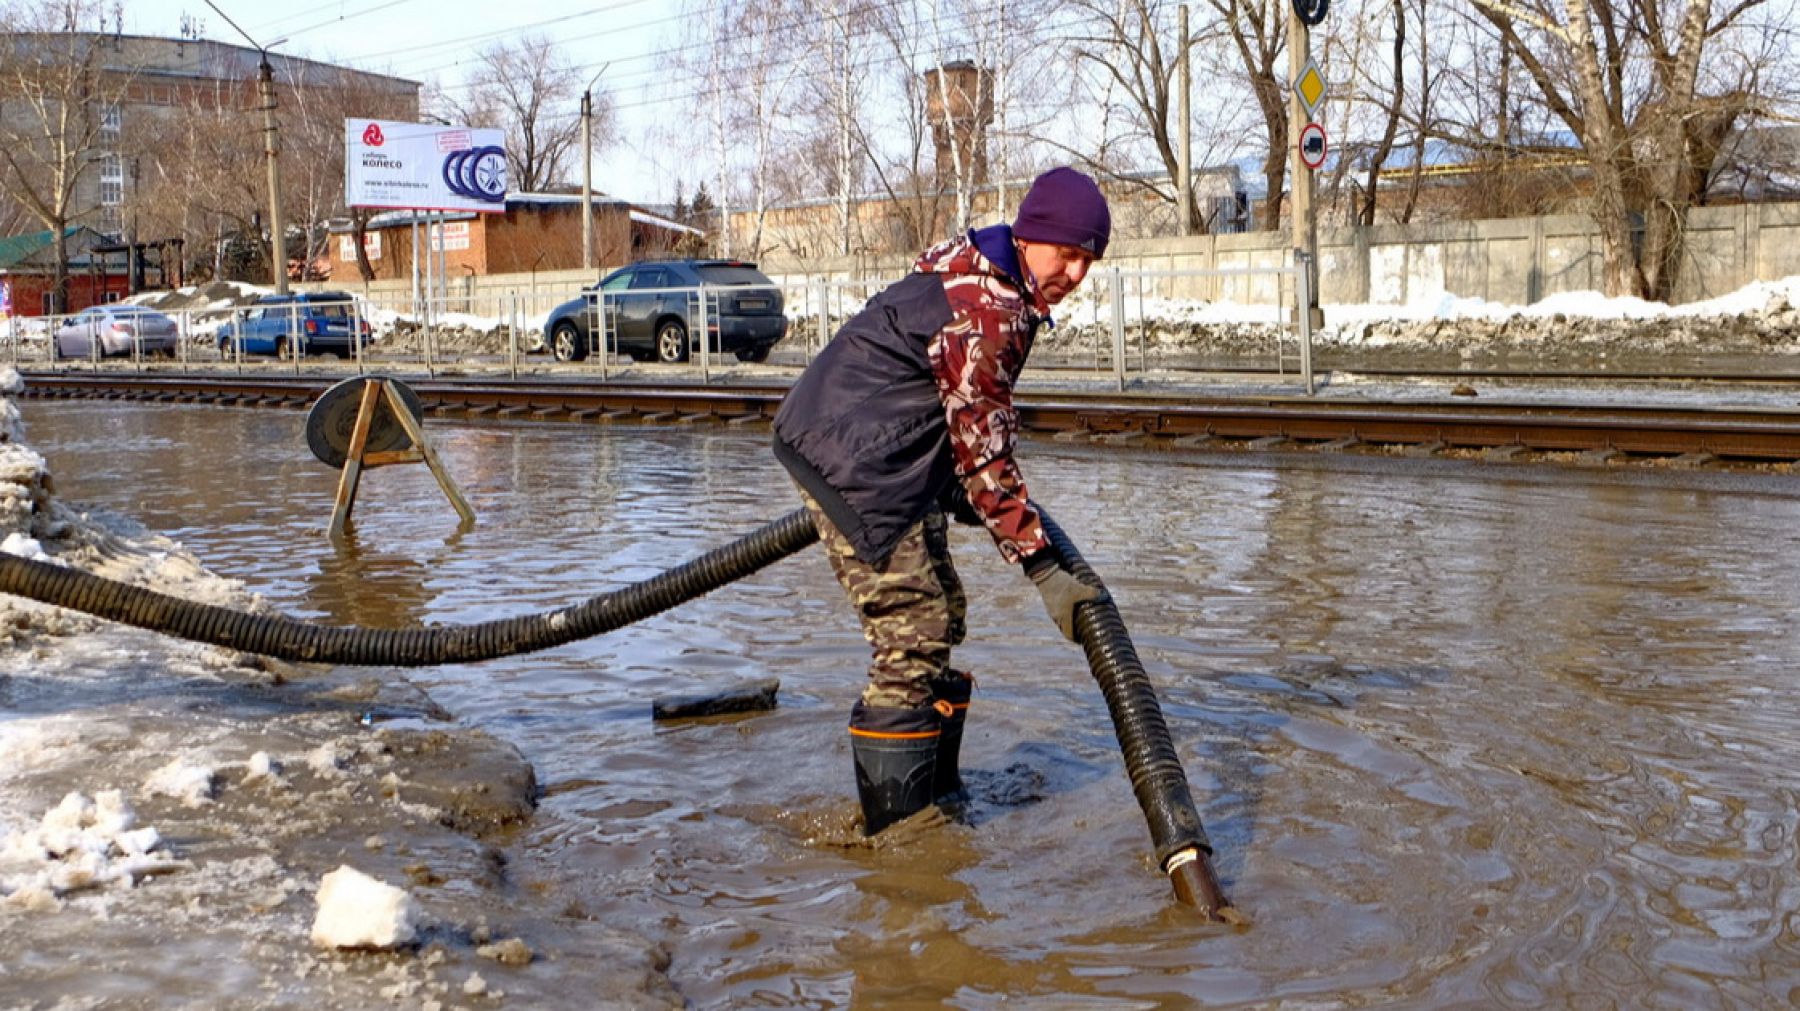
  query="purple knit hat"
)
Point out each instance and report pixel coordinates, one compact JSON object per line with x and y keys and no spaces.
{"x":1066,"y":208}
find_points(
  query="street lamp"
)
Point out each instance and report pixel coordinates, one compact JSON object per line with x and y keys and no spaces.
{"x":266,"y":88}
{"x":587,"y":170}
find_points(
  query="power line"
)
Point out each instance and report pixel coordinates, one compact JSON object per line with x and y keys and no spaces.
{"x":345,"y":17}
{"x":308,"y":12}
{"x":707,"y":88}
{"x":611,"y":30}
{"x":858,"y":34}
{"x":529,"y":26}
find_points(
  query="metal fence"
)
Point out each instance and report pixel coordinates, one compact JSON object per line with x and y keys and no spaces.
{"x":1123,"y":325}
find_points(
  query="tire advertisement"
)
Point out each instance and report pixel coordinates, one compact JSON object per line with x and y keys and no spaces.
{"x":423,"y":166}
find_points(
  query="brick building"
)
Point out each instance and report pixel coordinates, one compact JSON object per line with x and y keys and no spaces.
{"x":143,"y":82}
{"x":28,"y":272}
{"x":538,"y":231}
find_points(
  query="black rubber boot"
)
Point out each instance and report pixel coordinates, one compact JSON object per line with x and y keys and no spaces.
{"x":896,"y":751}
{"x":951,"y":689}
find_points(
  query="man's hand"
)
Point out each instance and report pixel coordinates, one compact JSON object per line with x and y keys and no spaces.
{"x":1062,"y":592}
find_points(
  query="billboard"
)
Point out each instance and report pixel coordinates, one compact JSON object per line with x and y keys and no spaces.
{"x":423,"y":166}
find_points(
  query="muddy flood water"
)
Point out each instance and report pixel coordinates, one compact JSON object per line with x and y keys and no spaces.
{"x":1462,"y":736}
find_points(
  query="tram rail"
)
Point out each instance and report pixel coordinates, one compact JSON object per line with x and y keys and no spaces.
{"x":1595,"y":433}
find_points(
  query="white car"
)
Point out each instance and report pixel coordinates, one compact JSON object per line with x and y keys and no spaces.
{"x":108,"y":330}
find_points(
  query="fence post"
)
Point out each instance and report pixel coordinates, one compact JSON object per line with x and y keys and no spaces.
{"x":705,"y":338}
{"x":824,"y":315}
{"x":604,"y":323}
{"x":356,"y":334}
{"x":1117,"y":292}
{"x":1143,"y":324}
{"x":430,"y":311}
{"x":512,"y":330}
{"x":1303,"y":300}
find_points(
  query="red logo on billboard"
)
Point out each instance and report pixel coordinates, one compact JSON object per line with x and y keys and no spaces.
{"x":372,"y":136}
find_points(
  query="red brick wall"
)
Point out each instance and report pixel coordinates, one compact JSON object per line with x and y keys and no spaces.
{"x":519,"y":241}
{"x":29,"y":291}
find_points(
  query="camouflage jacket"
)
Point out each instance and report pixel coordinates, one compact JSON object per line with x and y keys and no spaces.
{"x":975,"y":360}
{"x":914,"y":393}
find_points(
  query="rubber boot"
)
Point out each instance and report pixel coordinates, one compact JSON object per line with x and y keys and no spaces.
{"x":895,"y":750}
{"x":952,"y":688}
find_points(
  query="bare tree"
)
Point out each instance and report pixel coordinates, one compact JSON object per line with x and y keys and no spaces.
{"x":321,"y":99}
{"x":530,"y":90}
{"x":1650,"y":90}
{"x":772,"y":58}
{"x":59,"y":107}
{"x":899,"y":152}
{"x":1137,"y":48}
{"x":1258,"y":33}
{"x":832,"y":99}
{"x":1389,"y":97}
{"x":202,"y":173}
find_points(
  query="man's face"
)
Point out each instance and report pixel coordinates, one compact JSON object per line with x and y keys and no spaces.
{"x":1057,"y":269}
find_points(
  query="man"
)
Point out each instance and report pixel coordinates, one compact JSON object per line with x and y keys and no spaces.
{"x":906,"y":413}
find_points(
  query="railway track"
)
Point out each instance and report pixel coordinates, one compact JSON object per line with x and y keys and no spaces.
{"x":1585,"y":432}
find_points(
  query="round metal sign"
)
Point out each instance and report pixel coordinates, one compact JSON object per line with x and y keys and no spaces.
{"x":1312,"y":145}
{"x":332,"y":421}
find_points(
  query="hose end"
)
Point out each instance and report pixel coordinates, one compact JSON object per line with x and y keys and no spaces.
{"x":1191,"y":872}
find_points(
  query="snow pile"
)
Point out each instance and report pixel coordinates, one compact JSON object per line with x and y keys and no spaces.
{"x":31,"y":517}
{"x":1759,"y":318}
{"x":193,"y":785}
{"x":80,"y":844}
{"x":215,"y":296}
{"x":455,"y":333}
{"x":357,"y":911}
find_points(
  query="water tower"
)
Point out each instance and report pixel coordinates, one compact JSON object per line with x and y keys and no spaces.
{"x":969,"y":91}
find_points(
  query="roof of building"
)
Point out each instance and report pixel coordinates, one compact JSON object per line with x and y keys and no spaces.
{"x":396,"y":219}
{"x":34,"y":249}
{"x":202,"y":59}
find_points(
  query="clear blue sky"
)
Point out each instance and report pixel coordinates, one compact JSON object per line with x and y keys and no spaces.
{"x":436,"y":41}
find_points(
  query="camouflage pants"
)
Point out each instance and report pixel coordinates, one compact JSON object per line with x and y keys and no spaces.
{"x":911,"y":606}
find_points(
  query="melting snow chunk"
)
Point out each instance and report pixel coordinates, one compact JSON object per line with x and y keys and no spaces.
{"x":191,"y":784}
{"x":80,"y":843}
{"x":357,"y":911}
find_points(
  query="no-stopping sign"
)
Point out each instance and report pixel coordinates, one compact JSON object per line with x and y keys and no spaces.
{"x":1312,"y":145}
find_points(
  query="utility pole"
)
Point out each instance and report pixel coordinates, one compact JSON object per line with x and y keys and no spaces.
{"x":1306,"y":230}
{"x":587,"y":170}
{"x":271,"y":149}
{"x":1184,"y":193}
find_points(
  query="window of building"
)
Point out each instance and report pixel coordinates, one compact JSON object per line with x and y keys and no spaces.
{"x":112,"y":194}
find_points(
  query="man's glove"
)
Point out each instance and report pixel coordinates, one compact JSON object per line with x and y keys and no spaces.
{"x":1060,"y":589}
{"x":954,"y":501}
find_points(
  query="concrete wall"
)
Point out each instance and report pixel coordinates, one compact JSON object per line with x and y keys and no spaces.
{"x":1513,"y":260}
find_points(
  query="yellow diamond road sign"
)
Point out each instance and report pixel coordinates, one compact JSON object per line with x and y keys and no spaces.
{"x":1310,"y":86}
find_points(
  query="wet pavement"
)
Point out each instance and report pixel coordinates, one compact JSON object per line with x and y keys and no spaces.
{"x":1510,"y":737}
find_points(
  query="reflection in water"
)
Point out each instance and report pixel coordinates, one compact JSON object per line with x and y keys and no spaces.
{"x":375,"y":589}
{"x":1508,"y":738}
